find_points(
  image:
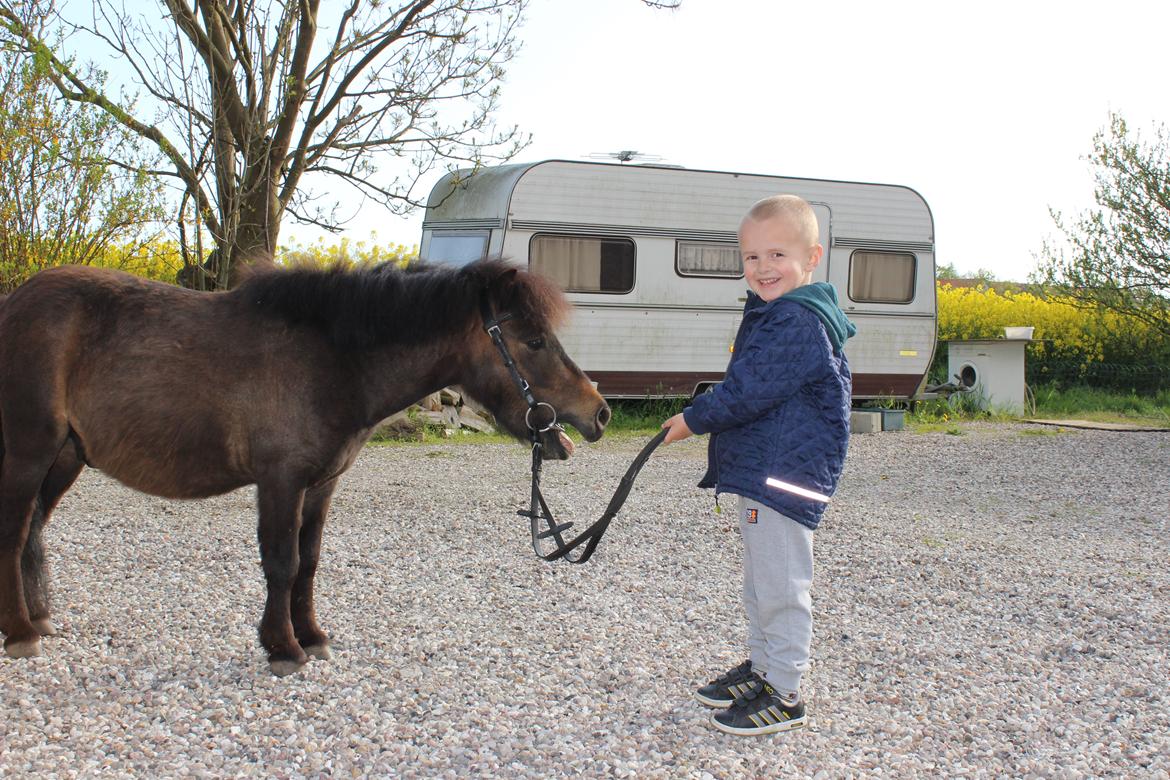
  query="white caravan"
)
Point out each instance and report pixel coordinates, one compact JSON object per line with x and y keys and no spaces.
{"x":648,"y":256}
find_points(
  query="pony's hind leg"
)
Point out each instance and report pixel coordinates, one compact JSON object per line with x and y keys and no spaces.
{"x":32,"y":562}
{"x":304,"y":618}
{"x":34,"y":576}
{"x":21,"y":476}
{"x":280,"y":515}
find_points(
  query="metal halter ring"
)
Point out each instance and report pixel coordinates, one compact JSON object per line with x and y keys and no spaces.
{"x":528,"y":415}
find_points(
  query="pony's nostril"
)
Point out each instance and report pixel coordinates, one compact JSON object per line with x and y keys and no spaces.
{"x":603,"y":416}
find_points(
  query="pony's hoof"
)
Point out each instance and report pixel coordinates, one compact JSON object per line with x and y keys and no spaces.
{"x":284,"y":667}
{"x":320,"y":652}
{"x":25,"y":648}
{"x":45,"y":627}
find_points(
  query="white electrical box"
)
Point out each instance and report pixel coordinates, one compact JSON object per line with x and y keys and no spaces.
{"x":993,"y":369}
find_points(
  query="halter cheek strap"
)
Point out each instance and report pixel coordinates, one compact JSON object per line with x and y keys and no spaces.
{"x":491,"y":325}
{"x":538,"y":511}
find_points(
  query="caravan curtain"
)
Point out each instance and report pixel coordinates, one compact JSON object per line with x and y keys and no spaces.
{"x":580,"y":264}
{"x":881,"y":277}
{"x":573,"y":263}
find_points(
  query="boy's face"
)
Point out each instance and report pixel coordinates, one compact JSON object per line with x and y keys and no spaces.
{"x":776,"y":257}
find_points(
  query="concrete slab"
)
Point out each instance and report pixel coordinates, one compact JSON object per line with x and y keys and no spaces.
{"x":1097,"y":426}
{"x":865,"y":422}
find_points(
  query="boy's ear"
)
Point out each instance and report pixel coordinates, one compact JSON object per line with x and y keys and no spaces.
{"x":814,"y":257}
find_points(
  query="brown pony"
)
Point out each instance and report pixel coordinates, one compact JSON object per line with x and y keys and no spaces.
{"x":277,"y":383}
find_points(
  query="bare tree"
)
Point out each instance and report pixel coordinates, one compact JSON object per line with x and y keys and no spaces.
{"x":1118,"y":254}
{"x":261,"y":105}
{"x":61,"y":201}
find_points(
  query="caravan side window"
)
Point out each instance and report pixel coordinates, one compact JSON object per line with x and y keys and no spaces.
{"x":458,"y":247}
{"x":881,"y":277}
{"x":693,"y":258}
{"x":584,"y":263}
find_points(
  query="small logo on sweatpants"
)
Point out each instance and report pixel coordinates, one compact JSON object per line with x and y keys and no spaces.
{"x":753,"y":515}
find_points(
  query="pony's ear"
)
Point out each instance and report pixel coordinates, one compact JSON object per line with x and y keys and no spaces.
{"x":503,"y":287}
{"x":508,"y":277}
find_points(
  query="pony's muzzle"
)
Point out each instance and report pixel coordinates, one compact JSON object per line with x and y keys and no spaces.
{"x":597,"y":422}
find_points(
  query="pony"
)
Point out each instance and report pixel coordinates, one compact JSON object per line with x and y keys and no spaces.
{"x":276,"y":383}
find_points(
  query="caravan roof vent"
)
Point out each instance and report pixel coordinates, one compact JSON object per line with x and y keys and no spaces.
{"x":625,"y":156}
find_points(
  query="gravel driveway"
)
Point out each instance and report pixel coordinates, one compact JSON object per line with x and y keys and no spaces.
{"x":995,"y":603}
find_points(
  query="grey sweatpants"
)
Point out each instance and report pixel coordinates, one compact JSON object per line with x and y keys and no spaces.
{"x":777,"y":578}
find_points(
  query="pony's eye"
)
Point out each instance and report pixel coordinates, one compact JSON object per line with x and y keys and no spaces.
{"x":535,"y":344}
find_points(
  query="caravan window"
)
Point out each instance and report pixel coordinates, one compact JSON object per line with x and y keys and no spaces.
{"x":881,"y":277}
{"x":584,"y":263}
{"x":457,"y":246}
{"x":693,"y":258}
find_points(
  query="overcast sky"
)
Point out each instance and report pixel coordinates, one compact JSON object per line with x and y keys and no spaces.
{"x":986,"y":109}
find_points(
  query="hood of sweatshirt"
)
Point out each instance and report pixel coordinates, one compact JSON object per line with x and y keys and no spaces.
{"x":821,"y":299}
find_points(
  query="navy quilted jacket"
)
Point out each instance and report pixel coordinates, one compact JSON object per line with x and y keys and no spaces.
{"x":782,"y":410}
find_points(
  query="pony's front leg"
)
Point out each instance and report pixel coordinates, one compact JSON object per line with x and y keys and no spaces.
{"x":304,"y":618}
{"x":280,"y":520}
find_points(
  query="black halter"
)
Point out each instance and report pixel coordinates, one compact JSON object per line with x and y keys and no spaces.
{"x":538,"y":510}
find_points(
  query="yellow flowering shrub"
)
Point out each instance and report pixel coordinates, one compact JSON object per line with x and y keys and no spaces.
{"x":155,"y":259}
{"x":346,"y":252}
{"x":1070,"y":343}
{"x":159,"y":259}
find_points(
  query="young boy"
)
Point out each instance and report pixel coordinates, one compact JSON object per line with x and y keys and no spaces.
{"x":779,"y":425}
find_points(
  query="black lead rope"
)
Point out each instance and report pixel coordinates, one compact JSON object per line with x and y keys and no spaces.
{"x":591,"y":536}
{"x":538,"y":510}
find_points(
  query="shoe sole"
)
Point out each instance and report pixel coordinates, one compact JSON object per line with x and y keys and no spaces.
{"x":755,"y":731}
{"x":707,"y":701}
{"x":723,"y":704}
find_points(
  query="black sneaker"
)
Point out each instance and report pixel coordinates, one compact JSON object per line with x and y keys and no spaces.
{"x":724,"y":690}
{"x":760,"y":711}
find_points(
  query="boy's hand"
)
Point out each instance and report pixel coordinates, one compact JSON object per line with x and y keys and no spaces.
{"x":678,"y":429}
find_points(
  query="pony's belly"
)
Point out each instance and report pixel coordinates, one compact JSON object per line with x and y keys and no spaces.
{"x":176,"y":489}
{"x":172,"y":457}
{"x":169,"y":477}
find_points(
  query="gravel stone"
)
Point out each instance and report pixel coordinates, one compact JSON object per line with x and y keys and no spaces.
{"x":990,"y":604}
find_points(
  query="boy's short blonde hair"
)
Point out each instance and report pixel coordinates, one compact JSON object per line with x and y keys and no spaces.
{"x":793,"y":208}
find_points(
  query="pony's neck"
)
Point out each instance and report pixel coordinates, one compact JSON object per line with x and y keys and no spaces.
{"x":396,"y":375}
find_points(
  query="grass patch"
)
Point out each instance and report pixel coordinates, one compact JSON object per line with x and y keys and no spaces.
{"x":1051,"y":402}
{"x":643,"y":416}
{"x":431,"y":434}
{"x":1042,"y":432}
{"x":1089,"y":403}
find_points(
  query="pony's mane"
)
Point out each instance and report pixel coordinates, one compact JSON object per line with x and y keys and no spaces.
{"x":383,"y":304}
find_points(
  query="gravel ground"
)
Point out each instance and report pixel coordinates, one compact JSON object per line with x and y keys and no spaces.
{"x":990,"y":604}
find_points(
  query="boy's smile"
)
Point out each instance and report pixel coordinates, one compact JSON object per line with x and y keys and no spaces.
{"x":776,"y":257}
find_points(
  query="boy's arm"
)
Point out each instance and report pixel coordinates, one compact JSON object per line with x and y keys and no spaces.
{"x":776,"y":362}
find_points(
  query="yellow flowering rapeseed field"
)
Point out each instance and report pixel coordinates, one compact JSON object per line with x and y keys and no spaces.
{"x":346,"y":252}
{"x":1070,"y":344}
